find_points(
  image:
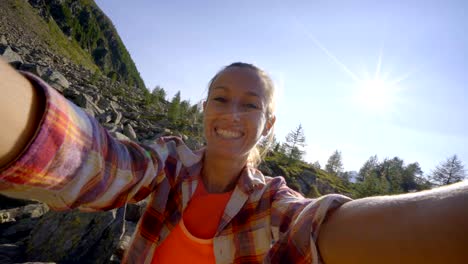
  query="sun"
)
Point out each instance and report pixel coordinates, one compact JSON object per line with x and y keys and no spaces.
{"x":375,"y":95}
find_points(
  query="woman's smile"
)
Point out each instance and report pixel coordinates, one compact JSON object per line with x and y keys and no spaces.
{"x":228,"y":133}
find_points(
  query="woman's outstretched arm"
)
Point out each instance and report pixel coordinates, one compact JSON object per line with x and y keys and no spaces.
{"x":21,"y":108}
{"x":424,"y":227}
{"x":52,"y":151}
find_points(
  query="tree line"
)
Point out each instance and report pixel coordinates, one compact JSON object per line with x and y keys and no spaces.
{"x":375,"y":177}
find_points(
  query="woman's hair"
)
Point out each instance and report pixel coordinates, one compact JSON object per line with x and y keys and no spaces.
{"x":257,"y":153}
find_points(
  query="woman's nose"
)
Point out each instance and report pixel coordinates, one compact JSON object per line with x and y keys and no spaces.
{"x":235,"y":111}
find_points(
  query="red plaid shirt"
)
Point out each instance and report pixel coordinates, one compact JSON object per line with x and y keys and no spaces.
{"x":72,"y":162}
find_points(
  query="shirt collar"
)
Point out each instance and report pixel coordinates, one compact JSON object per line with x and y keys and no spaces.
{"x":250,"y":179}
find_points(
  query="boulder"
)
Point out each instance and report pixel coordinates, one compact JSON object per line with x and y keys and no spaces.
{"x":86,"y":102}
{"x":104,"y":118}
{"x":119,"y":136}
{"x":8,"y":202}
{"x":117,"y":117}
{"x":133,"y":212}
{"x":10,"y":56}
{"x":76,"y":237}
{"x":3,"y":40}
{"x":56,"y":79}
{"x":124,"y":243}
{"x":129,"y":132}
{"x":9,"y":253}
{"x":18,"y":230}
{"x":32,"y":68}
{"x":28,"y":211}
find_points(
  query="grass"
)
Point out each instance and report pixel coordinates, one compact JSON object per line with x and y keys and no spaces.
{"x":49,"y":34}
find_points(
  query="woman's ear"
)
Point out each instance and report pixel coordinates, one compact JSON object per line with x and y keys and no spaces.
{"x":269,"y":124}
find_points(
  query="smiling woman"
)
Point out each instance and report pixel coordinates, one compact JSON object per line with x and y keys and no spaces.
{"x":212,"y":205}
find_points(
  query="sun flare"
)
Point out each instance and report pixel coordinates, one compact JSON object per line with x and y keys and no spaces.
{"x":375,"y":95}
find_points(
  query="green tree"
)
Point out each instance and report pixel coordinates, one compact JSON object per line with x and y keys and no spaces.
{"x":391,"y":176}
{"x":159,"y":93}
{"x":316,"y":165}
{"x":334,"y":163}
{"x":295,"y":143}
{"x":184,"y":108}
{"x":369,"y":167}
{"x":449,"y":171}
{"x":173,"y":112}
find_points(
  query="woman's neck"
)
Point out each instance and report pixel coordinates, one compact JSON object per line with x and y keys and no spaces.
{"x":221,"y":174}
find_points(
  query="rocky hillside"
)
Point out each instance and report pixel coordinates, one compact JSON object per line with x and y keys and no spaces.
{"x":74,"y":47}
{"x":82,"y":21}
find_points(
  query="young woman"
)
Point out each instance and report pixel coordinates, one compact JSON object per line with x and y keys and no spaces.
{"x":213,"y":205}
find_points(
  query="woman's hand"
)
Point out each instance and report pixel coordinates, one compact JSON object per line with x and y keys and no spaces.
{"x":424,"y":227}
{"x":21,"y":108}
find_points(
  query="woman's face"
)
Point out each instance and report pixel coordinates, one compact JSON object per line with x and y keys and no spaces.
{"x":235,"y":113}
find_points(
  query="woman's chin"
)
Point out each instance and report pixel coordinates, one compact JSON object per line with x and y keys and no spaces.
{"x":226,"y":153}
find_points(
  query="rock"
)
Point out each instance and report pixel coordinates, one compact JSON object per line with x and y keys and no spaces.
{"x":10,"y":251}
{"x":76,"y":237}
{"x":32,"y":68}
{"x":103,"y":103}
{"x":18,"y":230}
{"x":5,"y":217}
{"x":119,"y":136}
{"x":11,"y":56}
{"x":133,"y":212}
{"x":86,"y":102}
{"x":38,"y":263}
{"x":5,"y":260}
{"x":8,"y":203}
{"x":104,"y":118}
{"x":31,"y":210}
{"x":56,"y":80}
{"x":117,"y":117}
{"x":3,"y":41}
{"x":124,"y":243}
{"x":130,"y":133}
{"x":306,"y":180}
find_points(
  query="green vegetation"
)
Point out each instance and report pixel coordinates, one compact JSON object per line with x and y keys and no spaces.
{"x":295,"y":142}
{"x":82,"y":24}
{"x":449,"y":171}
{"x":51,"y":35}
{"x":81,"y":32}
{"x":386,"y":177}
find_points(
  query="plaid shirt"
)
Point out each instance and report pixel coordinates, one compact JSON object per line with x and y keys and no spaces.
{"x":72,"y":162}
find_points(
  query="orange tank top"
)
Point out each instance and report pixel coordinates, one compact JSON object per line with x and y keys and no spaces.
{"x":191,"y":241}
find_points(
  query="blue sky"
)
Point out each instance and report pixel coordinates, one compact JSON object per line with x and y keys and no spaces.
{"x":363,"y":77}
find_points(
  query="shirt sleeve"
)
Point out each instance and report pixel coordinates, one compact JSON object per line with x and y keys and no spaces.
{"x":296,"y":221}
{"x":72,"y":162}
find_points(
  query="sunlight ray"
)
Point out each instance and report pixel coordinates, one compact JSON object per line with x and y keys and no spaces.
{"x":325,"y":50}
{"x":379,"y":65}
{"x":403,"y":77}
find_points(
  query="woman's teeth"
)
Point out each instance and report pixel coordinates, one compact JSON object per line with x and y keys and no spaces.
{"x":228,"y":133}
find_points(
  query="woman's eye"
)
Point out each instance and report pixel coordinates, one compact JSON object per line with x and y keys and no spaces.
{"x":252,"y":106}
{"x":220,"y":99}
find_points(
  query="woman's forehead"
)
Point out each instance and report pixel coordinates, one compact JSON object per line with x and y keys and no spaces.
{"x":237,"y":79}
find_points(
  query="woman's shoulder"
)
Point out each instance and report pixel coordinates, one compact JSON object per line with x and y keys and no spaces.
{"x":174,"y":148}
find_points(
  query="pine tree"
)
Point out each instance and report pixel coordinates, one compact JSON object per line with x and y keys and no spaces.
{"x":159,"y":93}
{"x":448,"y":172}
{"x":317,"y":165}
{"x":334,"y":164}
{"x":173,"y":113}
{"x":295,"y":142}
